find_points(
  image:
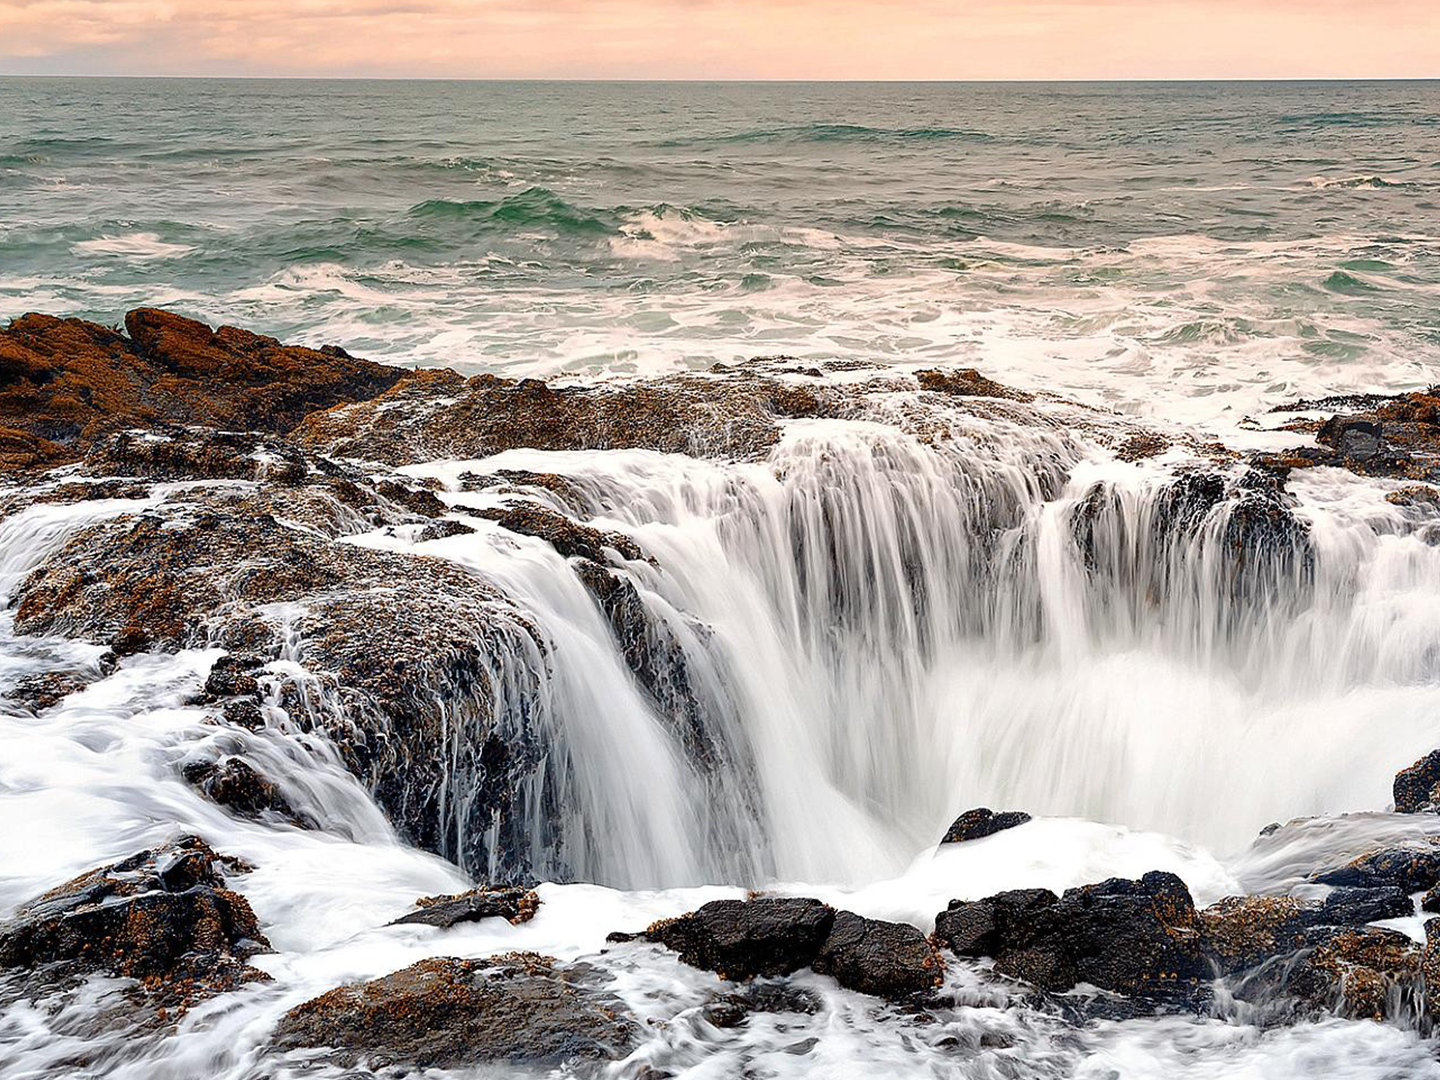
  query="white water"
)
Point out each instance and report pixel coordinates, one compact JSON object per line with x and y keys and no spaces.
{"x":881,"y":631}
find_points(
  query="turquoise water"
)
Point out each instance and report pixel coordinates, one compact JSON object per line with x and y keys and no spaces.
{"x":1209,"y":247}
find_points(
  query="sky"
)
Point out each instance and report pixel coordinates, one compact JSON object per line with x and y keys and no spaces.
{"x":726,"y":39}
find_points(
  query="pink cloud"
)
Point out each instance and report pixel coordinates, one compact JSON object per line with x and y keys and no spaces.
{"x":982,"y":39}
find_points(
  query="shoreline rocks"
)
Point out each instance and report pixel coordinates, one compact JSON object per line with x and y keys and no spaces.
{"x":164,"y":916}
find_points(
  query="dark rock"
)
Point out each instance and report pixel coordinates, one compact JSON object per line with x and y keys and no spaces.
{"x":570,"y":538}
{"x":1409,"y":869}
{"x":233,"y":783}
{"x":981,"y":822}
{"x":1357,"y":906}
{"x":1431,"y":900}
{"x":164,"y":916}
{"x":514,"y":904}
{"x":1138,"y":938}
{"x":46,"y":689}
{"x":885,"y":959}
{"x":1417,"y":788}
{"x":519,"y":1009}
{"x":740,"y":939}
{"x":981,"y":927}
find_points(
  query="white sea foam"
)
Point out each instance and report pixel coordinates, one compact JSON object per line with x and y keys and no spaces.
{"x":138,"y":246}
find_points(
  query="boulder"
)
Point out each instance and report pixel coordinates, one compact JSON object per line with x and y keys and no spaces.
{"x":981,"y":822}
{"x":740,"y":939}
{"x":514,"y":904}
{"x":164,"y":916}
{"x":884,"y":959}
{"x":1138,"y":938}
{"x":967,"y":382}
{"x":519,"y":1010}
{"x":1417,"y":788}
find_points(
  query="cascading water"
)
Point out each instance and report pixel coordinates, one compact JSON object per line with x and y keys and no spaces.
{"x":881,"y":630}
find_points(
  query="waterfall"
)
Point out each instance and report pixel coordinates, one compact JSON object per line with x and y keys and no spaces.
{"x":880,"y":629}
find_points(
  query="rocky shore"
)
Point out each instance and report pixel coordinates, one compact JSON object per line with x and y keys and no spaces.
{"x":230,"y":476}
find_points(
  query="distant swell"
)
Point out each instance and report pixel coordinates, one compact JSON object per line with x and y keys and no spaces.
{"x":532,"y":208}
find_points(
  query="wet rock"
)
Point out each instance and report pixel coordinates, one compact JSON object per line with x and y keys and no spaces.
{"x":164,"y":916}
{"x":1431,"y":900}
{"x":886,"y":959}
{"x":761,"y":996}
{"x":740,"y":939}
{"x":441,"y":530}
{"x":1142,"y":446}
{"x":981,"y":822}
{"x":1415,"y":495}
{"x":1430,"y":972}
{"x":46,"y":689}
{"x":982,"y":927}
{"x":967,"y":382}
{"x":1417,"y":788}
{"x":1138,"y":938}
{"x":570,"y":538}
{"x":65,"y":383}
{"x":401,"y":647}
{"x":518,"y":1009}
{"x":514,"y":904}
{"x":1360,"y":974}
{"x":1397,"y":437}
{"x":1409,"y":869}
{"x":233,"y":676}
{"x":1243,"y":932}
{"x":234,"y":784}
{"x":731,"y":412}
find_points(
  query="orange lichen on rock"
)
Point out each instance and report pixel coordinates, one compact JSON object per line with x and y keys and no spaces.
{"x":64,"y":383}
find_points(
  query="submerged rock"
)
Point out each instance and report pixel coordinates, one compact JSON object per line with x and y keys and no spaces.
{"x":164,"y":916}
{"x":517,"y":1009}
{"x":981,"y":822}
{"x":514,"y":904}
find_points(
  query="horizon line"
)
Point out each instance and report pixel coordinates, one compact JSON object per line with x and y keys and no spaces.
{"x":1141,"y":79}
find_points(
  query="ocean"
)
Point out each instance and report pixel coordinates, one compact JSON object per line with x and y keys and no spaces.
{"x":1192,"y":250}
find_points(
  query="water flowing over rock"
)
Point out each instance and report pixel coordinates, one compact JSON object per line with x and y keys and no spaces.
{"x":446,"y":1013}
{"x":164,"y":916}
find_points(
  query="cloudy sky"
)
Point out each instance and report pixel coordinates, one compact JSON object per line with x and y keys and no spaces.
{"x":823,"y":39}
